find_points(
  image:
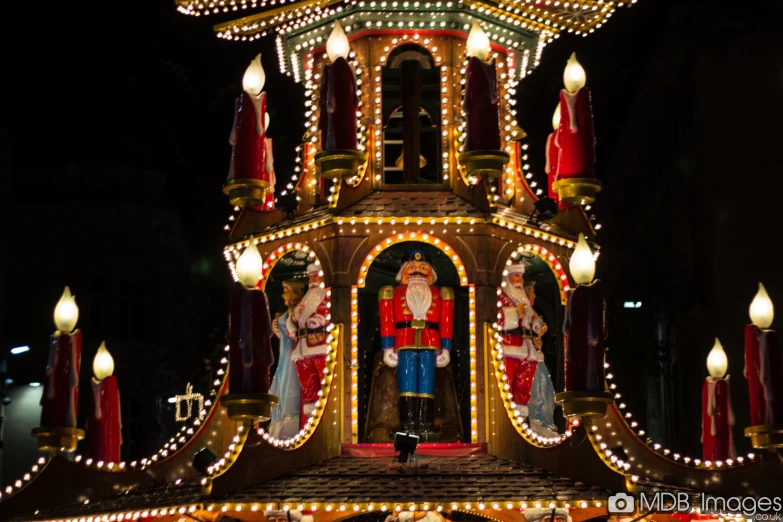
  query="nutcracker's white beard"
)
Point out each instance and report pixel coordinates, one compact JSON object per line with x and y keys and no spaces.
{"x":418,"y":296}
{"x":516,"y":293}
{"x":309,"y":304}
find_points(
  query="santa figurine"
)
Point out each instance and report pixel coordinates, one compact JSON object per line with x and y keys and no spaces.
{"x":416,"y":516}
{"x":521,"y":329}
{"x":293,"y":515}
{"x":547,"y":515}
{"x":308,"y":323}
{"x":416,"y":335}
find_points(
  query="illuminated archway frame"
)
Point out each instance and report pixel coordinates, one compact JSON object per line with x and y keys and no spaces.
{"x":441,"y":245}
{"x":551,"y":260}
{"x":333,"y":350}
{"x":523,"y":429}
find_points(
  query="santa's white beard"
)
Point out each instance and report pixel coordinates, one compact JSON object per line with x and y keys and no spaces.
{"x":309,"y":304}
{"x":418,"y":296}
{"x":516,"y":293}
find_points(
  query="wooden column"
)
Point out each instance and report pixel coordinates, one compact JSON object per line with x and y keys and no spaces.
{"x":410,"y":92}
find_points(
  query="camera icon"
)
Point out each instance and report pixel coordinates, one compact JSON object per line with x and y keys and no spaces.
{"x":621,"y":504}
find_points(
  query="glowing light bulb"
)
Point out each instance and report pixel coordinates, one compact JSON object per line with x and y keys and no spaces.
{"x":249,"y":266}
{"x":582,"y":264}
{"x":254,"y":78}
{"x":337,"y":45}
{"x":574,"y":77}
{"x":761,"y":310}
{"x":478,"y":42}
{"x":556,"y":118}
{"x":103,"y":364}
{"x":66,"y":313}
{"x":717,"y":363}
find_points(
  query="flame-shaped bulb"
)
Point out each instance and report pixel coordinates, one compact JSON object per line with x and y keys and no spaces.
{"x":556,"y":118}
{"x":66,"y":313}
{"x":250,"y":266}
{"x":761,"y":310}
{"x":254,"y":78}
{"x":337,"y":45}
{"x":103,"y":364}
{"x":574,"y":77}
{"x":478,"y":42}
{"x":717,"y":363}
{"x":582,"y":263}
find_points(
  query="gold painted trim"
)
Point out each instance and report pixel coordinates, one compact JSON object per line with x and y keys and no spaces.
{"x":271,"y":14}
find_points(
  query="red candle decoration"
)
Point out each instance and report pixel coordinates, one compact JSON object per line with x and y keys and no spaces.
{"x":553,"y":159}
{"x":481,"y":104}
{"x":575,"y":136}
{"x":60,"y":399}
{"x":249,"y":329}
{"x":585,"y":325}
{"x":338,"y":101}
{"x":249,"y":165}
{"x":763,"y":363}
{"x":717,"y":415}
{"x":104,"y":425}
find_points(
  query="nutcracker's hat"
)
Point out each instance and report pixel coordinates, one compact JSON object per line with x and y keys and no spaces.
{"x":416,"y":254}
{"x":529,"y":282}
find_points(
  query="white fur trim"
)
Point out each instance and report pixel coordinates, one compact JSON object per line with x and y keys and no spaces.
{"x":522,"y":351}
{"x":309,"y":408}
{"x":313,"y":268}
{"x":516,"y":268}
{"x":311,"y":351}
{"x":510,"y":318}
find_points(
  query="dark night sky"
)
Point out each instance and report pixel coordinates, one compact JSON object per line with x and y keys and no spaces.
{"x":139,"y":83}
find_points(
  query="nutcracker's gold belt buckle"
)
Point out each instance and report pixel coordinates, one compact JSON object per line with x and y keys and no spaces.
{"x":301,"y":333}
{"x":419,"y":324}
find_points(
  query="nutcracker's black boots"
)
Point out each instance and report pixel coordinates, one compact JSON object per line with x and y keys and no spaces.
{"x":408,"y":414}
{"x":424,"y":418}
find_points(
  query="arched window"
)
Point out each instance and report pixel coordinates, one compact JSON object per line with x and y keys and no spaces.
{"x":411,"y":116}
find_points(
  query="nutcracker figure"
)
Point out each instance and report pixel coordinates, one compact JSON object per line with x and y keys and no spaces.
{"x":525,"y":370}
{"x":308,"y":323}
{"x":416,"y":336}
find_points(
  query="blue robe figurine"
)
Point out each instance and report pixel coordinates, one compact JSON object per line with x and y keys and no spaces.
{"x":284,"y":423}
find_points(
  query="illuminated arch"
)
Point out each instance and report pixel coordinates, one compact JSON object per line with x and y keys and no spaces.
{"x":457,"y":262}
{"x":413,"y":236}
{"x":276,"y":255}
{"x":552,"y":262}
{"x":493,"y":337}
